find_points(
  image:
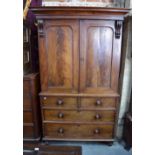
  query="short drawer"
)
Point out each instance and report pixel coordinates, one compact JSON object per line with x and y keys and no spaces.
{"x":73,"y":115}
{"x":98,"y":102}
{"x":72,"y":131}
{"x":27,"y":117}
{"x":59,"y":102}
{"x":28,"y":132}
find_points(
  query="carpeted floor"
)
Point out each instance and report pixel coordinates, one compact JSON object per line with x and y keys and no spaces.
{"x":95,"y":148}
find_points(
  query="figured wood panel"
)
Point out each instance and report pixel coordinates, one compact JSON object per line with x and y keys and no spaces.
{"x":99,"y":56}
{"x":60,"y":52}
{"x":59,"y":40}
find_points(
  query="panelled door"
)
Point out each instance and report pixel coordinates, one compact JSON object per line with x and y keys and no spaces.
{"x":99,"y":56}
{"x":59,"y":56}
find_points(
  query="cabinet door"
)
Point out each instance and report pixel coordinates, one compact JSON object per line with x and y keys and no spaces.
{"x":59,"y":56}
{"x":99,"y":56}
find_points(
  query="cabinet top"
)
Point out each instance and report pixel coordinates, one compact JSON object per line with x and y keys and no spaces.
{"x":80,"y":12}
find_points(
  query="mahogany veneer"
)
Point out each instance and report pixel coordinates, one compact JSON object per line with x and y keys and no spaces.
{"x":80,"y":54}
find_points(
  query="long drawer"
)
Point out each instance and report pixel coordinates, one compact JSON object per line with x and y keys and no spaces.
{"x":59,"y":102}
{"x":73,"y":115}
{"x":73,"y":131}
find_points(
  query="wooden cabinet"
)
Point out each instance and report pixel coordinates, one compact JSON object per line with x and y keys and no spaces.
{"x":80,"y":55}
{"x":31,"y":108}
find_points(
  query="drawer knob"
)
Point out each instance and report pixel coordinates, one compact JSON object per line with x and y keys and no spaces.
{"x":96,"y":131}
{"x":97,"y":116}
{"x":60,"y":130}
{"x":98,"y":102}
{"x":59,"y":102}
{"x":36,"y":149}
{"x":60,"y":115}
{"x":45,"y":98}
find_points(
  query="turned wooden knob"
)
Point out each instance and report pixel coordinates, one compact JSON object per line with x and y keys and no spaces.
{"x":44,"y":98}
{"x":97,"y":116}
{"x":98,"y":102}
{"x":60,"y":130}
{"x":60,"y":115}
{"x":96,"y":131}
{"x":60,"y":102}
{"x":36,"y":149}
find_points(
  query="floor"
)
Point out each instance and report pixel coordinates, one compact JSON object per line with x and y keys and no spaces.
{"x":95,"y":148}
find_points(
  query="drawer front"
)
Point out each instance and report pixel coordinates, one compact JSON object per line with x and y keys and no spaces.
{"x":28,"y":132}
{"x":26,"y":86}
{"x":78,"y":131}
{"x":59,"y":102}
{"x":72,"y":115}
{"x":98,"y":102}
{"x":27,"y":117}
{"x":27,"y":101}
